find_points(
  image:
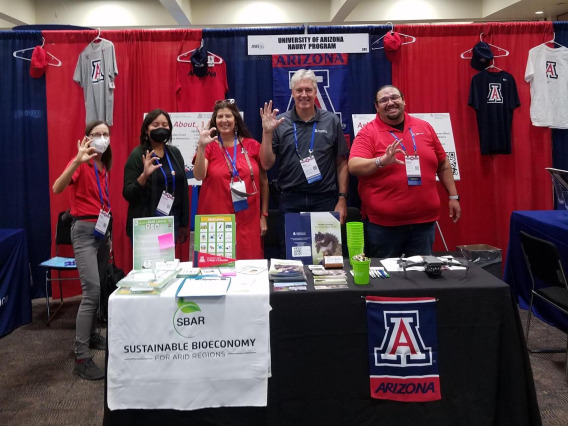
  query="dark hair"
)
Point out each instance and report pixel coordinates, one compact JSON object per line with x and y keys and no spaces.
{"x":386,"y":86}
{"x":240,"y":126}
{"x":150,"y":117}
{"x":106,"y":158}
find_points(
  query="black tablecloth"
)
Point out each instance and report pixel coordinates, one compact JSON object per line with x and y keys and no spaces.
{"x":320,"y":373}
{"x":551,"y":225}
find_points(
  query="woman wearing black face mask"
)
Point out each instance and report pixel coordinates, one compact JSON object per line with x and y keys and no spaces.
{"x":155,"y":172}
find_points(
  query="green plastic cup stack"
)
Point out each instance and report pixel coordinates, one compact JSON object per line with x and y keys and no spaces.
{"x":361,"y":269}
{"x":355,"y":239}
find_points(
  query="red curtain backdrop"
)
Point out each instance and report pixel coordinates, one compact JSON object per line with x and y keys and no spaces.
{"x":434,"y":78}
{"x":146,"y":80}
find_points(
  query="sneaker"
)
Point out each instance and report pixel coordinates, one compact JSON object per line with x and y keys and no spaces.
{"x":98,"y":342}
{"x":88,"y":370}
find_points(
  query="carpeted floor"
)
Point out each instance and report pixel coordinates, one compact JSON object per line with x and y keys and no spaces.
{"x":37,"y":386}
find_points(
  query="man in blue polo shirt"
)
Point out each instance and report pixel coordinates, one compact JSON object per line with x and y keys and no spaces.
{"x":311,"y":151}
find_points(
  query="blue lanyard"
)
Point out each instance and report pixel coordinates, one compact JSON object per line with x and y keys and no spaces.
{"x":172,"y":171}
{"x":401,"y":144}
{"x":311,"y":143}
{"x":99,"y":185}
{"x":235,"y":172}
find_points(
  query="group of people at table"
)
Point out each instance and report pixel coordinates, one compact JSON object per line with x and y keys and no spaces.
{"x":396,"y":158}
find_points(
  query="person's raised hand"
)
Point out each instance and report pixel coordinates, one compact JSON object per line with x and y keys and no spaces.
{"x":206,"y":136}
{"x":84,"y":150}
{"x":268,"y":116}
{"x":150,"y":165}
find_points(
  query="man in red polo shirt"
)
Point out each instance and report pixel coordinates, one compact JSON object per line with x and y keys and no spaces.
{"x":396,"y":158}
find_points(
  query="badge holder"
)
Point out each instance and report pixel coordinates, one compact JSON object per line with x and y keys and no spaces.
{"x":165,"y":204}
{"x":413,"y":171}
{"x":239,"y":196}
{"x":102,"y":224}
{"x":311,"y":169}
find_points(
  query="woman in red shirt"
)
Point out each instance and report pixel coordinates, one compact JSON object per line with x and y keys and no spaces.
{"x":87,"y":175}
{"x":228,"y":163}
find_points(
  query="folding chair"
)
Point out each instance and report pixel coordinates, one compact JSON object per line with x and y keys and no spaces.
{"x":548,"y":279}
{"x":59,"y":264}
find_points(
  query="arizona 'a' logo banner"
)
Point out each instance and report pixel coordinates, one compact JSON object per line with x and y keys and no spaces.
{"x":331,"y":72}
{"x":403,"y":349}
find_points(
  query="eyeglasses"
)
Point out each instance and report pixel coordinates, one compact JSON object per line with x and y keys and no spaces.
{"x":385,"y":100}
{"x":99,"y":135}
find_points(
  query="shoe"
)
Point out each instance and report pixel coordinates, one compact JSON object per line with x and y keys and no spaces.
{"x":98,"y":342}
{"x":88,"y":370}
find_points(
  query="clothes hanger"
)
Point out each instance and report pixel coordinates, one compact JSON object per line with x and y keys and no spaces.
{"x":407,"y":39}
{"x":500,"y":51}
{"x":553,"y":41}
{"x":18,"y":54}
{"x":98,"y":38}
{"x":211,"y":57}
{"x":493,"y":66}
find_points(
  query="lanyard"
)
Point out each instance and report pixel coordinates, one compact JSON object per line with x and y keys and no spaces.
{"x":172,"y":172}
{"x":233,"y":164}
{"x":99,"y":185}
{"x":311,"y":143}
{"x":401,"y":144}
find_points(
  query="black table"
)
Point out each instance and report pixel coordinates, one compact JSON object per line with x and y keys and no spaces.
{"x":551,"y":225}
{"x":15,"y":300}
{"x":320,"y":374}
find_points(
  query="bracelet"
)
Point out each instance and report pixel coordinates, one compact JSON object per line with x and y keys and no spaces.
{"x":454,"y":197}
{"x":264,"y":214}
{"x":378,"y":162}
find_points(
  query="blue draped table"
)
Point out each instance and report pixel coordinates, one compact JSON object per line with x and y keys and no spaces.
{"x":15,"y":302}
{"x":551,"y":225}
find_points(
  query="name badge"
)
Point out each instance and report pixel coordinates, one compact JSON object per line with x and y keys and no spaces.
{"x":311,"y":169}
{"x":165,"y":204}
{"x":413,"y":170}
{"x":240,"y":202}
{"x":102,"y":224}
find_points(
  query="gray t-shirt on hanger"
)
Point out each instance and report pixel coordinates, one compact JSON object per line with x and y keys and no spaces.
{"x":95,"y":72}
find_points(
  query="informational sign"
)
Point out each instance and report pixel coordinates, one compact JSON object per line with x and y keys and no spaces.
{"x":152,"y":241}
{"x":441,"y":123}
{"x":215,"y":235}
{"x":286,"y":44}
{"x":311,"y":236}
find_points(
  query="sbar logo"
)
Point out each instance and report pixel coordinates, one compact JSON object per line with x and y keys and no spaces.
{"x":188,"y":319}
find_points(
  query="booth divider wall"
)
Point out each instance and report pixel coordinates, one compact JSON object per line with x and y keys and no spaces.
{"x":430,"y":73}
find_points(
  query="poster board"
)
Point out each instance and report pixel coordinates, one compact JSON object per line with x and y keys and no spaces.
{"x":153,"y":241}
{"x":216,"y":236}
{"x":441,"y":123}
{"x":312,"y":235}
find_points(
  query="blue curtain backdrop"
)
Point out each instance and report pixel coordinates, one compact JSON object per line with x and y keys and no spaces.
{"x":560,"y":136}
{"x":23,"y":143}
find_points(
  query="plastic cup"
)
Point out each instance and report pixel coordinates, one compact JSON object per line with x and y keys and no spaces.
{"x":361,"y":271}
{"x":354,"y":250}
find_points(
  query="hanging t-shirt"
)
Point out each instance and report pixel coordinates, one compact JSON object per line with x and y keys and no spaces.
{"x":494,"y":97}
{"x":547,"y":73}
{"x":198,"y":94}
{"x":95,"y":72}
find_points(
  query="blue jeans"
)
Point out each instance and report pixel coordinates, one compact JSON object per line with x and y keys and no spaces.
{"x":291,"y":202}
{"x":394,"y":241}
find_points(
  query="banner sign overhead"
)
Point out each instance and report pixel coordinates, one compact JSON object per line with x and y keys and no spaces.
{"x":308,"y":43}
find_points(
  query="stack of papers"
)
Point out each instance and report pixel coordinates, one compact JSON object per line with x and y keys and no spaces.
{"x":325,"y":279}
{"x":147,"y":280}
{"x":284,"y":270}
{"x":193,"y":287}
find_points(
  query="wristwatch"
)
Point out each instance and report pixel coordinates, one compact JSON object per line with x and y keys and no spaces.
{"x":454,"y":197}
{"x":344,"y":195}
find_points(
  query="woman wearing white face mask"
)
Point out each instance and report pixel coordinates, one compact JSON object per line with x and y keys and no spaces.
{"x":88,"y":177}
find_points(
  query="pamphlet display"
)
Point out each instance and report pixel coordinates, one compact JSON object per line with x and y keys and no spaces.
{"x":152,"y":241}
{"x":215,"y":238}
{"x":312,"y":235}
